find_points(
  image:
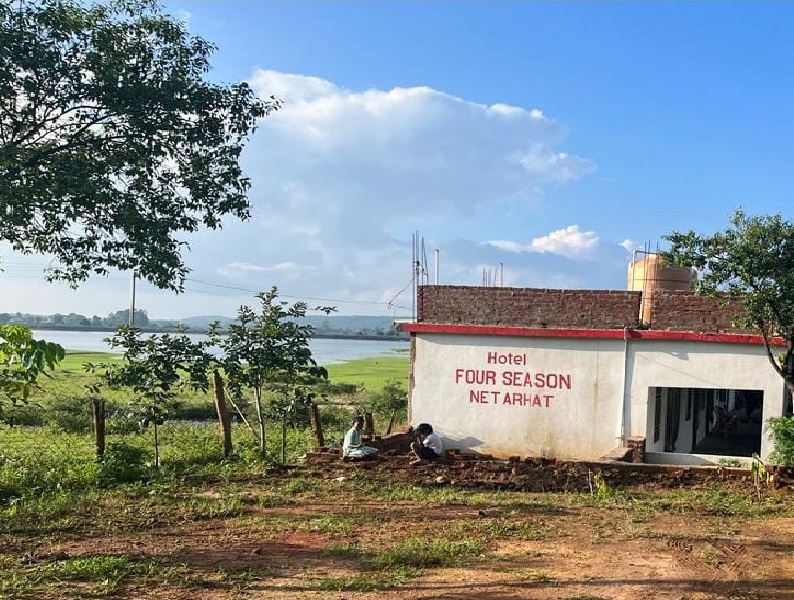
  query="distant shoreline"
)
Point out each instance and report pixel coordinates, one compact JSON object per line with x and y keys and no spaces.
{"x":332,"y":336}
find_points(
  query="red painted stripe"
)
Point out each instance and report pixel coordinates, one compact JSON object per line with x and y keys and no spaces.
{"x":636,"y":334}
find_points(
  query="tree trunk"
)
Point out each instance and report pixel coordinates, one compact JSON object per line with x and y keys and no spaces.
{"x":156,"y":447}
{"x":223,"y":413}
{"x":317,"y":426}
{"x":283,"y":441}
{"x":391,"y":422}
{"x":98,"y":410}
{"x":261,"y":419}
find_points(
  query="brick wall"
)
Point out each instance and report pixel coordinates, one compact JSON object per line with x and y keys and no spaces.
{"x":686,"y":311}
{"x":528,"y":307}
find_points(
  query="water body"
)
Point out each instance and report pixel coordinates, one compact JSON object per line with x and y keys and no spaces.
{"x":326,"y":351}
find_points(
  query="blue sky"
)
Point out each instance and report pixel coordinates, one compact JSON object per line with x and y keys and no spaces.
{"x":552,"y":138}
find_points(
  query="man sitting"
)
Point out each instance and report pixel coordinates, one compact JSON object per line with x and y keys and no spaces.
{"x":352,"y":447}
{"x":428,"y":445}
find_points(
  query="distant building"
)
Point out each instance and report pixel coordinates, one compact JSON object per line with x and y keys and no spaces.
{"x":576,"y":373}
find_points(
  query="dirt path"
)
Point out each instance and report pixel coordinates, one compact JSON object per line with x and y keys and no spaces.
{"x":533,"y":546}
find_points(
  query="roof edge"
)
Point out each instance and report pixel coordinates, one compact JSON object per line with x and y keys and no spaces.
{"x":627,"y":333}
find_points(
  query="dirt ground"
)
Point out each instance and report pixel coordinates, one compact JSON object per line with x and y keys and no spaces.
{"x":703,"y":543}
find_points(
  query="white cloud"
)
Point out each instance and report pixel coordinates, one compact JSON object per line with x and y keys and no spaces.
{"x":630,"y":245}
{"x":341,"y":177}
{"x":235,"y":268}
{"x":570,"y":242}
{"x":404,"y":149}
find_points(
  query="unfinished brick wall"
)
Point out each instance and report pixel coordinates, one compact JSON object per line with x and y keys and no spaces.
{"x":673,"y":310}
{"x":528,"y":307}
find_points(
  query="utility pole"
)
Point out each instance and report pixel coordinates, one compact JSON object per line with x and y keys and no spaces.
{"x":132,"y":299}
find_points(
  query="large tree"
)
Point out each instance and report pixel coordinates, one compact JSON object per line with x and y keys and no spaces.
{"x":750,"y":264}
{"x":113,"y":144}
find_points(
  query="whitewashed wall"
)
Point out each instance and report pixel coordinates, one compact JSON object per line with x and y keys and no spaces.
{"x":572,"y":409}
{"x":569,"y":397}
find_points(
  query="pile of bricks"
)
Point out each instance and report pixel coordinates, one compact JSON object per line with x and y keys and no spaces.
{"x":531,"y":474}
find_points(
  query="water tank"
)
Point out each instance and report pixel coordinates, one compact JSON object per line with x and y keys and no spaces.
{"x":652,"y":272}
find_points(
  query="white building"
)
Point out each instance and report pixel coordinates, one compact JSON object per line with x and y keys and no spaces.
{"x":494,"y":372}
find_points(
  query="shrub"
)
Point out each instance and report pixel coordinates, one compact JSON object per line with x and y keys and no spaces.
{"x":123,"y":463}
{"x":70,"y":414}
{"x":393,"y":398}
{"x":781,"y":430}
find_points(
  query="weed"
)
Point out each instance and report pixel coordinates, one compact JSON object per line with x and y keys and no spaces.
{"x":507,"y":527}
{"x":344,"y":551}
{"x":359,"y":582}
{"x":349,"y":583}
{"x":104,"y":574}
{"x":534,"y":576}
{"x":420,"y":553}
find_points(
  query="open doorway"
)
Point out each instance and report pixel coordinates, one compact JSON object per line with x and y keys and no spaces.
{"x":722,"y":422}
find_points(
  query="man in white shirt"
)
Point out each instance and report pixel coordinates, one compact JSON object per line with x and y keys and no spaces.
{"x":352,"y":447}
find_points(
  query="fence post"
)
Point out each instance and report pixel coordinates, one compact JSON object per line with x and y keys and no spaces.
{"x":223,"y":413}
{"x":391,"y":422}
{"x":317,"y":426}
{"x":369,"y":424}
{"x":98,"y":411}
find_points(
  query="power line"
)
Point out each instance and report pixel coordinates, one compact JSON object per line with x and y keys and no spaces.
{"x":287,"y":295}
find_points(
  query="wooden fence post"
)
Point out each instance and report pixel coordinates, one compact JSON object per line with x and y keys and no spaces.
{"x":369,"y":424}
{"x":391,"y":422}
{"x":317,"y":426}
{"x":223,"y":413}
{"x":98,"y":411}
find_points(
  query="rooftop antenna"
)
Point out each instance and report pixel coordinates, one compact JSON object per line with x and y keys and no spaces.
{"x":414,"y":269}
{"x":419,"y":272}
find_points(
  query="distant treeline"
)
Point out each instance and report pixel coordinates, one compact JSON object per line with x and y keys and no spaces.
{"x":361,"y":326}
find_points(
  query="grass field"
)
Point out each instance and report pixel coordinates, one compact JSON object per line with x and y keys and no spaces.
{"x":209,"y":528}
{"x":52,"y":446}
{"x":370,"y":374}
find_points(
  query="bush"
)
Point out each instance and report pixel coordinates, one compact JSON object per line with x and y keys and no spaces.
{"x":781,"y":430}
{"x":70,"y":414}
{"x":123,"y":463}
{"x":392,"y":398}
{"x":194,"y":412}
{"x":26,"y":415}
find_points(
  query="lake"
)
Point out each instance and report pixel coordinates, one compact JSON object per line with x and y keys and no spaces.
{"x":326,"y":351}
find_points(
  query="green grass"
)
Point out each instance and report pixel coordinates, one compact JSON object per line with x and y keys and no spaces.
{"x":104,"y":574}
{"x":421,"y":553}
{"x":370,"y":374}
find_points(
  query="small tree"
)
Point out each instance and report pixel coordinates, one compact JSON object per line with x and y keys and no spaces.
{"x":752,"y":265}
{"x":269,"y":350}
{"x":22,"y":361}
{"x":154,"y":369}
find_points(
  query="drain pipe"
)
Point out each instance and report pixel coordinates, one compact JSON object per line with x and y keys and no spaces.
{"x":625,"y":404}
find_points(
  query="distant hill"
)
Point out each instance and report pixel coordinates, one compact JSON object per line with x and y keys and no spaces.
{"x":329,"y":324}
{"x":201,"y":322}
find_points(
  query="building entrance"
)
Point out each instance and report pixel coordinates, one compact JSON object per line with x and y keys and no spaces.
{"x":723,"y":422}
